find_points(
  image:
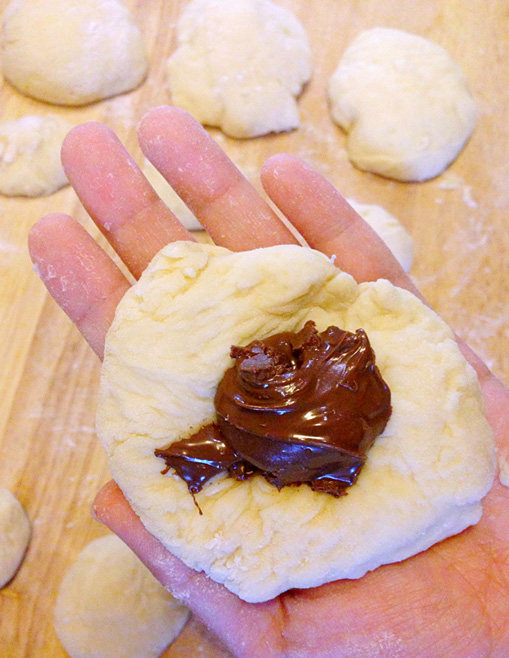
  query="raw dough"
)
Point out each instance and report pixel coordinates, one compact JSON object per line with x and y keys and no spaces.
{"x":390,"y":229}
{"x":170,"y":197}
{"x":109,"y":605}
{"x":239,"y":65}
{"x":30,"y":155}
{"x":404,"y":103}
{"x":168,"y":347}
{"x":14,"y":535}
{"x":71,"y":52}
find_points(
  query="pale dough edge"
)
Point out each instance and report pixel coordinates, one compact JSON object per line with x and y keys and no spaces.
{"x":15,"y":535}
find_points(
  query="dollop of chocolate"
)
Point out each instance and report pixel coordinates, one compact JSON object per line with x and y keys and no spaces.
{"x":296,"y":407}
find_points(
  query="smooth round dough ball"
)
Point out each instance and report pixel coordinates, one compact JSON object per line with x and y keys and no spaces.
{"x":109,"y":605}
{"x":71,"y":52}
{"x":404,"y":103}
{"x":30,"y":162}
{"x":390,"y":229}
{"x":239,"y":65}
{"x":15,"y":533}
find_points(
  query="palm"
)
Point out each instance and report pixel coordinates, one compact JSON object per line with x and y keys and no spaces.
{"x":451,"y":600}
{"x":440,"y":603}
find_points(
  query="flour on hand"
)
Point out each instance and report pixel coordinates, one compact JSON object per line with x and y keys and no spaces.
{"x":170,"y":198}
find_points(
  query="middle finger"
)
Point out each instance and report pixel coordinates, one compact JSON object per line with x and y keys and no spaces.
{"x":228,"y":206}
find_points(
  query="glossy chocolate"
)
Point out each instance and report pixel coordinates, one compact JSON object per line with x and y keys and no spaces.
{"x":201,"y":456}
{"x":296,"y":407}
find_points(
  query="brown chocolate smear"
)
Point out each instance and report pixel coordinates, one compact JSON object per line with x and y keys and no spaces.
{"x":296,"y":407}
{"x":201,"y":456}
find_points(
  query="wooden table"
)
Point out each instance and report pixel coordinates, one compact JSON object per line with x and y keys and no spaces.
{"x":49,"y":455}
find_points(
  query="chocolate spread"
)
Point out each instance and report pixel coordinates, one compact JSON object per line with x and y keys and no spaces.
{"x":296,"y":407}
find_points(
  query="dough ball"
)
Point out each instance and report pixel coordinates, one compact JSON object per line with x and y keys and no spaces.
{"x":239,"y":65}
{"x":109,"y":605}
{"x":390,"y":229}
{"x":167,"y":350}
{"x":30,"y":155}
{"x":170,"y":198}
{"x":71,"y":52}
{"x":404,"y":103}
{"x":14,"y":535}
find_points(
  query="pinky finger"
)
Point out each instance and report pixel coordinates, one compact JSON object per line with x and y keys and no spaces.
{"x":79,"y":275}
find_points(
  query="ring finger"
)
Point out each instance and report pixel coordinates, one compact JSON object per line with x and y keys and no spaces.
{"x":79,"y":275}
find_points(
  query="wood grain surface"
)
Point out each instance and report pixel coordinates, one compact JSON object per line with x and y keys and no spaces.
{"x":49,"y":455}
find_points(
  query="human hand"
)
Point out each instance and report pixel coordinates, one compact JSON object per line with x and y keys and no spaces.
{"x":451,"y":600}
